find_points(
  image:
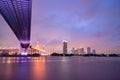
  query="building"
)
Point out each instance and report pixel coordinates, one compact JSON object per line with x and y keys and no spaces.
{"x":82,"y":51}
{"x":65,"y":43}
{"x":79,"y":51}
{"x":17,"y":13}
{"x":9,"y":51}
{"x":88,"y":50}
{"x":73,"y":51}
{"x":93,"y":51}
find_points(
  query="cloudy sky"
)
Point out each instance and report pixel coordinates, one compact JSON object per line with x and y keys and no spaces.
{"x":83,"y":23}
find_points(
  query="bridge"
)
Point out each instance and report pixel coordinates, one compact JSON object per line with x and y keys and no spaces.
{"x":17,"y":14}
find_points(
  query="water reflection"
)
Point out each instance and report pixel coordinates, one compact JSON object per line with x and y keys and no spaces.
{"x":21,"y":59}
{"x":39,"y":69}
{"x":59,"y":68}
{"x":8,"y":70}
{"x":23,"y":68}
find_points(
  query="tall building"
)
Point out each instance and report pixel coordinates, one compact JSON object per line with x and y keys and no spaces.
{"x":73,"y":51}
{"x":17,"y":13}
{"x":94,"y":51}
{"x":88,"y":50}
{"x":77,"y":51}
{"x":65,"y":43}
{"x":82,"y":50}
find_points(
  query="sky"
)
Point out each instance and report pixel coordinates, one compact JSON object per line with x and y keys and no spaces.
{"x":83,"y":23}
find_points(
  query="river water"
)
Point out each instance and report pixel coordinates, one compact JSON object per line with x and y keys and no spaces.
{"x":60,"y":68}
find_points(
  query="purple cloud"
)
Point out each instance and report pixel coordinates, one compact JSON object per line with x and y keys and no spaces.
{"x":83,"y":23}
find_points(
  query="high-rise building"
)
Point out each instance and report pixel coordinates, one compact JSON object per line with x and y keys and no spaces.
{"x":17,"y":13}
{"x":79,"y":51}
{"x":65,"y":46}
{"x":73,"y":51}
{"x":94,"y":51}
{"x":82,"y":51}
{"x":88,"y":50}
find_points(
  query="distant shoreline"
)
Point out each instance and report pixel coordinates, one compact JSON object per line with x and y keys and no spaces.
{"x":65,"y":55}
{"x":15,"y":55}
{"x":87,"y":55}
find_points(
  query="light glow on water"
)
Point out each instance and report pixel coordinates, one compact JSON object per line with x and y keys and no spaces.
{"x":52,"y":68}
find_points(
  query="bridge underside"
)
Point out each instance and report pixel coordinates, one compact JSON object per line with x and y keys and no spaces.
{"x":17,"y":13}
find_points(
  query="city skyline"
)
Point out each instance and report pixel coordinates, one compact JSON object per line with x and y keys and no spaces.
{"x":83,"y":23}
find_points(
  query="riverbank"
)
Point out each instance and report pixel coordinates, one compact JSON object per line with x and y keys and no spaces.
{"x":87,"y":55}
{"x":64,"y":55}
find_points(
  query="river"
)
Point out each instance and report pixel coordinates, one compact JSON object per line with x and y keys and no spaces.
{"x":60,"y":68}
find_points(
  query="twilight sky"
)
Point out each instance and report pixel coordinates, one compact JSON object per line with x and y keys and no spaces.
{"x":83,"y":23}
